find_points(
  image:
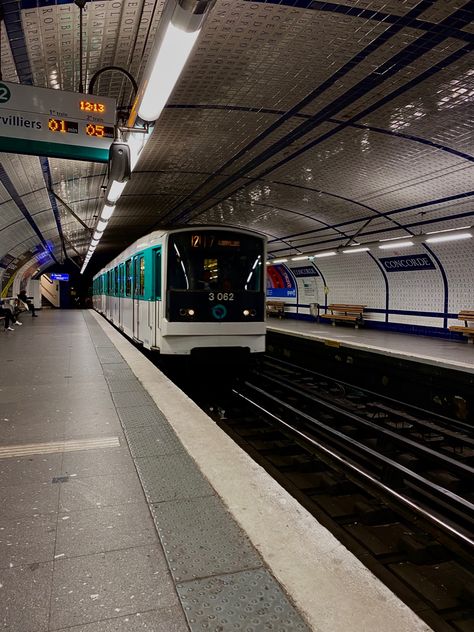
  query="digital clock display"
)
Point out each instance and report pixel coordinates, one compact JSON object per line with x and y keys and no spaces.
{"x":90,"y":106}
{"x":62,"y":126}
{"x":100,"y":131}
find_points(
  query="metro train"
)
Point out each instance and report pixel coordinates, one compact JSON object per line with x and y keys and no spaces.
{"x":182,"y":290}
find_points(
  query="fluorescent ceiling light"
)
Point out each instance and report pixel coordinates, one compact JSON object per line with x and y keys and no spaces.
{"x":400,"y":244}
{"x":390,"y":239}
{"x":453,"y":237}
{"x":278,"y":261}
{"x":101,"y":225}
{"x":94,"y":242}
{"x":107,"y":212}
{"x":98,"y":235}
{"x":325,"y":254}
{"x":169,"y":63}
{"x":352,"y":250}
{"x":302,"y":258}
{"x":115,"y":191}
{"x":447,"y":230}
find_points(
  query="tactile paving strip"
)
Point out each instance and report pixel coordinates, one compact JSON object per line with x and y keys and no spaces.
{"x":119,"y":370}
{"x":132,"y":398}
{"x":250,"y":600}
{"x":138,"y":416}
{"x":200,"y":539}
{"x":108,"y":355}
{"x":156,"y":440}
{"x":172,"y":477}
{"x":123,"y":384}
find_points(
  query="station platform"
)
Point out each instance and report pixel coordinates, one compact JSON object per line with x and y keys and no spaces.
{"x":438,"y":352}
{"x":124,"y":508}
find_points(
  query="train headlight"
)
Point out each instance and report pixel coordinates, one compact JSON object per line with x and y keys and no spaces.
{"x":246,"y":312}
{"x":190,"y":312}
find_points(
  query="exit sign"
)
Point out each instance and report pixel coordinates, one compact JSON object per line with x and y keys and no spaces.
{"x":54,"y":123}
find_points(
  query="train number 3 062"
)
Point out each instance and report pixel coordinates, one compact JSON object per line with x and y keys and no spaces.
{"x":221,"y":296}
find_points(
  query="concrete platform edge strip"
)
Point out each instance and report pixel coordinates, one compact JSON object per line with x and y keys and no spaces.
{"x":332,"y":589}
{"x":371,"y":348}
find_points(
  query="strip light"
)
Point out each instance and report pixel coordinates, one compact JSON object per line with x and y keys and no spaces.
{"x":319,"y":255}
{"x":352,"y":250}
{"x":398,"y":244}
{"x":167,"y":67}
{"x":302,"y":258}
{"x":452,"y":237}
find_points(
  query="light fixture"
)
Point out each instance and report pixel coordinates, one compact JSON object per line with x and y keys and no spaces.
{"x":94,"y":242}
{"x":182,"y":21}
{"x":452,"y":237}
{"x":107,"y":212}
{"x":320,"y":255}
{"x":275,"y":261}
{"x":302,"y":258}
{"x":101,"y":225}
{"x":352,"y":250}
{"x":398,"y":244}
{"x":98,"y":234}
{"x":114,"y":192}
{"x":447,"y":230}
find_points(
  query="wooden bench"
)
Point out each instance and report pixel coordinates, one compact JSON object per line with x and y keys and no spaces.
{"x":275,"y":308}
{"x":343,"y":311}
{"x":466,"y":330}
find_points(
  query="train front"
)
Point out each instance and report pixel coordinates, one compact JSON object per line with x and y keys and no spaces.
{"x":215,"y":291}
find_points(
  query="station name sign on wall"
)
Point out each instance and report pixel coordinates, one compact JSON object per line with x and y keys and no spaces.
{"x":55,"y":123}
{"x":305,"y":271}
{"x":407,"y":263}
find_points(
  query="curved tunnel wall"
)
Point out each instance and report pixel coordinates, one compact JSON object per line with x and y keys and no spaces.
{"x":423,"y":300}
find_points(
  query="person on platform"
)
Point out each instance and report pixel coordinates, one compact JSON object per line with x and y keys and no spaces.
{"x":22,"y":296}
{"x":7,"y":312}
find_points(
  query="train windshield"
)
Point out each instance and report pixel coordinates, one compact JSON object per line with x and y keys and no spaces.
{"x":215,"y":261}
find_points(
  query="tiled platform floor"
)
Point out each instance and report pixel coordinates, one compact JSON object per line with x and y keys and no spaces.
{"x":458,"y":355}
{"x":81,"y":547}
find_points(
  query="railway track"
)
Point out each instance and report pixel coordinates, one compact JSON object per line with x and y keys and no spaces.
{"x":391,"y":481}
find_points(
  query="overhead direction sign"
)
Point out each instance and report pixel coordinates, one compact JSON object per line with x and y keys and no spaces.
{"x":55,"y":123}
{"x":59,"y":276}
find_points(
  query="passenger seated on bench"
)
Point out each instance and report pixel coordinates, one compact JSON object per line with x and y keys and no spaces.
{"x":6,"y":310}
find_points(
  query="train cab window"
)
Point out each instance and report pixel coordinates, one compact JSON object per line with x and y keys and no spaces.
{"x":215,"y":261}
{"x":157,"y":255}
{"x":128,"y":278}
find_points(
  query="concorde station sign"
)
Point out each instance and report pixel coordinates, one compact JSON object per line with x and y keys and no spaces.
{"x":54,"y":123}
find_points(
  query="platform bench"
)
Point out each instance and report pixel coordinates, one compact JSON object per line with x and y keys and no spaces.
{"x":343,"y":311}
{"x":467,"y":330}
{"x":275,"y":308}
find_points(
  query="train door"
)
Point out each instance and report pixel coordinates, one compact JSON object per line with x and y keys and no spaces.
{"x":156,"y":296}
{"x":138,"y":292}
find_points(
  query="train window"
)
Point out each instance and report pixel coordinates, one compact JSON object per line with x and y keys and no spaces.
{"x":122,"y":279}
{"x":128,"y":278}
{"x":117,"y":285}
{"x":139,"y":276}
{"x":157,"y":255}
{"x":221,"y":261}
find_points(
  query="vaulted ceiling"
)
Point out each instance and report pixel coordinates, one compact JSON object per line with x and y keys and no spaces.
{"x":310,"y":121}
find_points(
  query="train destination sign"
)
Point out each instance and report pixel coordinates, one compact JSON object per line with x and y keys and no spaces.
{"x":55,"y":123}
